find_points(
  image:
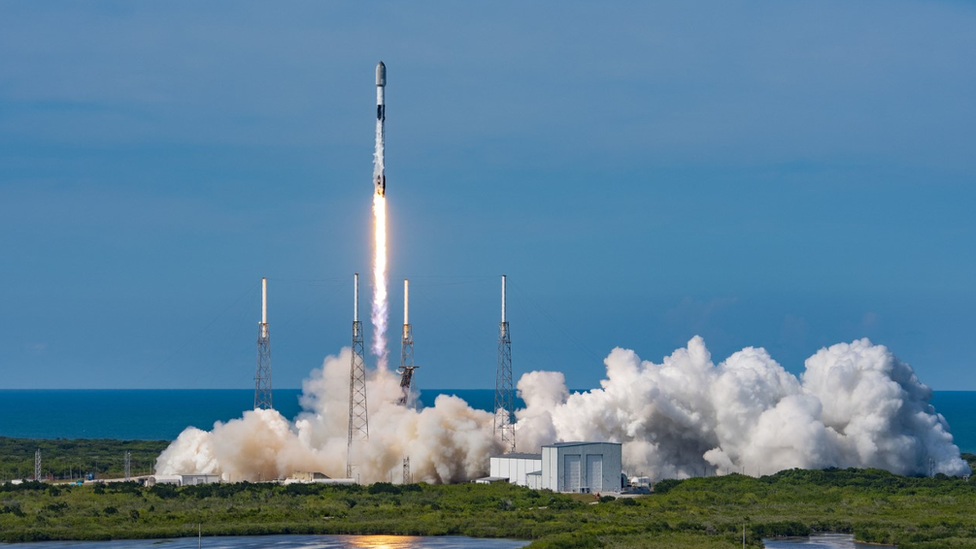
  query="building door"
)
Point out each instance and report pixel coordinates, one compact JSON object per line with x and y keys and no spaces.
{"x":594,"y":473}
{"x":571,"y":473}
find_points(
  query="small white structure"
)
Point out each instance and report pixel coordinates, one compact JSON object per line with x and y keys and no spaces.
{"x":515,"y":467}
{"x":490,"y":480}
{"x":183,"y":480}
{"x":315,"y":477}
{"x":581,"y":467}
{"x":577,"y":467}
{"x":193,"y":480}
{"x":165,"y":479}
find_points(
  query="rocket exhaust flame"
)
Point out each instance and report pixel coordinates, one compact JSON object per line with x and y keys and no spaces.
{"x":380,"y":314}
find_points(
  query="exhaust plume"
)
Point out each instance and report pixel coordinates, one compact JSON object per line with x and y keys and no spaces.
{"x":380,"y":313}
{"x":855,"y":405}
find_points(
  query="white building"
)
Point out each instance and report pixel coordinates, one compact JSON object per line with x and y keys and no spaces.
{"x":587,"y":467}
{"x":183,"y":480}
{"x":515,"y":467}
{"x":315,"y":477}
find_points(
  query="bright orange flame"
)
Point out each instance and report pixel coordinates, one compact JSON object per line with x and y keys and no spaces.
{"x":380,"y":313}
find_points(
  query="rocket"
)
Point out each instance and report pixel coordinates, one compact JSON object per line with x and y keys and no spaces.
{"x":379,"y":170}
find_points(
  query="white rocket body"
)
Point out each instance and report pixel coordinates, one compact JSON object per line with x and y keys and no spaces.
{"x":379,"y":162}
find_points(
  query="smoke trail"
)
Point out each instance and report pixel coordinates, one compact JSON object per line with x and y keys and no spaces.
{"x":380,"y":313}
{"x":855,"y":405}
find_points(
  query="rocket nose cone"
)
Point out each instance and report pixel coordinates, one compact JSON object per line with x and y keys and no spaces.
{"x":380,"y":74}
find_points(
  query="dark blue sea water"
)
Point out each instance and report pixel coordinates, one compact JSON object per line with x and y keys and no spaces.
{"x":161,"y":414}
{"x":153,"y":414}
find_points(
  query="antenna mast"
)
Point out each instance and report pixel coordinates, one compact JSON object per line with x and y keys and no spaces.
{"x":504,"y":391}
{"x":262,"y":375}
{"x":407,"y":477}
{"x":358,"y":421}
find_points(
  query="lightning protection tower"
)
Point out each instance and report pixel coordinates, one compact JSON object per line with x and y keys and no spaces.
{"x":37,"y":465}
{"x":128,"y":465}
{"x":358,"y":420}
{"x":262,"y":375}
{"x":406,"y":349}
{"x":504,"y":391}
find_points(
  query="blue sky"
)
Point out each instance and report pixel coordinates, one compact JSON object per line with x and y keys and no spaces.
{"x":778,"y":174}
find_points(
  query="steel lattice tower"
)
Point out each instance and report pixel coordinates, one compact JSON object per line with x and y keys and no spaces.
{"x":128,"y":463}
{"x":37,"y":465}
{"x":407,"y":477}
{"x":504,"y":389}
{"x":406,"y":349}
{"x":358,"y":419}
{"x":262,"y":375}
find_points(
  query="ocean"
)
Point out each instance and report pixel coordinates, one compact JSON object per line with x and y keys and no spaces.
{"x":154,"y":414}
{"x":161,"y":414}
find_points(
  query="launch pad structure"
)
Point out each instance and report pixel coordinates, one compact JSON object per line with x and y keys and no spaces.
{"x":262,"y":374}
{"x":406,"y":349}
{"x":504,"y":388}
{"x":358,"y":418}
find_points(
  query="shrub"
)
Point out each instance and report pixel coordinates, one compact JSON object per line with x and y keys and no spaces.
{"x":665,"y":486}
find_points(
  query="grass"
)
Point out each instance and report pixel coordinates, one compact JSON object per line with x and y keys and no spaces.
{"x":874,"y":505}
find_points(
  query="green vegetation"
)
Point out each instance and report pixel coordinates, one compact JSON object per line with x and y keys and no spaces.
{"x":874,"y":505}
{"x":74,"y":458}
{"x":877,"y":506}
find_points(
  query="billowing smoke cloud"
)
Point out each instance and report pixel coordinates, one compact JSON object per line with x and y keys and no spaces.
{"x":448,"y":442}
{"x":856,"y":405}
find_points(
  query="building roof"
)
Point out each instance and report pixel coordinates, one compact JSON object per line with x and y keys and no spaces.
{"x":490,"y":479}
{"x":577,"y":443}
{"x":518,"y":456}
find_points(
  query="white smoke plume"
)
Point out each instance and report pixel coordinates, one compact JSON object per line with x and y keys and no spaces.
{"x":448,"y":442}
{"x":856,"y":405}
{"x":381,"y":311}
